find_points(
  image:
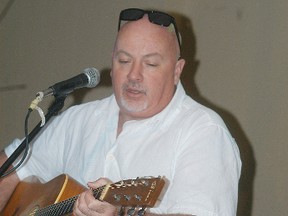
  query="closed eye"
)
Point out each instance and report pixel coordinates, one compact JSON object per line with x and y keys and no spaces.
{"x":152,"y":64}
{"x":121,"y":61}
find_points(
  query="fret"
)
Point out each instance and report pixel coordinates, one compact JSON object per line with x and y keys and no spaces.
{"x":61,"y":208}
{"x":97,"y":192}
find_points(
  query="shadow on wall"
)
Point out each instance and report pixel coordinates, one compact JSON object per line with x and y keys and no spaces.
{"x":188,"y":80}
{"x":6,"y":9}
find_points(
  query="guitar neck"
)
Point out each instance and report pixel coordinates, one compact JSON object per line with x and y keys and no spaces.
{"x":65,"y":206}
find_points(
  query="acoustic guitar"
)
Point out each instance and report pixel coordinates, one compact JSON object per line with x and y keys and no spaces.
{"x":57,"y":197}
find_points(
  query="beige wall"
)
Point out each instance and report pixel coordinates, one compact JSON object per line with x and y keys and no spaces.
{"x":237,"y":64}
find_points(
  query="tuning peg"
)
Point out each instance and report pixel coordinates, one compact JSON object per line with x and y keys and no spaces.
{"x":121,"y":211}
{"x":137,"y":197}
{"x":127,"y":197}
{"x":131,"y":211}
{"x":141,"y":212}
{"x":117,"y":197}
{"x":144,"y":182}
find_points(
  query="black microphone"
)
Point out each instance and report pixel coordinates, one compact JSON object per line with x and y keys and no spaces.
{"x":89,"y":79}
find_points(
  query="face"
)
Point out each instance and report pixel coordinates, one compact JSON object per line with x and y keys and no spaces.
{"x":145,"y":68}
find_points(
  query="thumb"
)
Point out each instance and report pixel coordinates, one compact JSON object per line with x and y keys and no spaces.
{"x":99,"y":182}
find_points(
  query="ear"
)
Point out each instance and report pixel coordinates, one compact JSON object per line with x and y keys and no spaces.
{"x":178,"y":70}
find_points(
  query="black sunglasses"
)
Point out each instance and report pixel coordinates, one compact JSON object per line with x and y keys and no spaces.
{"x":156,"y":17}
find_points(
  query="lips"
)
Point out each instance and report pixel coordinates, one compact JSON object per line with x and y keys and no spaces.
{"x":134,"y":91}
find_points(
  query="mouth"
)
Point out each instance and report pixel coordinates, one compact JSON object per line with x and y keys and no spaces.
{"x":133,"y":91}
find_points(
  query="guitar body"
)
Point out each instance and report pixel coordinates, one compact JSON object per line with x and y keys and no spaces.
{"x":30,"y":195}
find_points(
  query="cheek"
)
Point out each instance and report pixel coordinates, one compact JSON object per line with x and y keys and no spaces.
{"x":155,"y":89}
{"x":117,"y":76}
{"x":161,"y":89}
{"x":116,"y":81}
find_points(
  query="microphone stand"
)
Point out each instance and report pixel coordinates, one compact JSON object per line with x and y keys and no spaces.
{"x":52,"y":110}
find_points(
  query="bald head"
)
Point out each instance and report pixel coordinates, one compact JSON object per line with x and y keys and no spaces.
{"x":144,"y":35}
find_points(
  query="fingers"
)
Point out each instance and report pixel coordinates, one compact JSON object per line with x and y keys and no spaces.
{"x":87,"y":205}
{"x":81,"y":206}
{"x":100,"y":182}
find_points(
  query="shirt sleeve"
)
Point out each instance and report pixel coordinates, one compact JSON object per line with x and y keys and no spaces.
{"x":207,"y":171}
{"x":45,"y":158}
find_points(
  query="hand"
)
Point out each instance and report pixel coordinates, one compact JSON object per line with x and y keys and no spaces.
{"x":87,"y":205}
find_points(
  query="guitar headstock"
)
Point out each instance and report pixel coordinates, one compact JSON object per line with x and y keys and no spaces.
{"x":142,"y":192}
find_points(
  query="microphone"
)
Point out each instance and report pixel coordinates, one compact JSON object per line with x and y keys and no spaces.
{"x":89,"y":79}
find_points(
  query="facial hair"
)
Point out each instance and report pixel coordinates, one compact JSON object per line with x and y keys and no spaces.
{"x":133,"y":106}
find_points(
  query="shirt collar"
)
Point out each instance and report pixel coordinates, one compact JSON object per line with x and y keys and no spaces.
{"x":172,"y":109}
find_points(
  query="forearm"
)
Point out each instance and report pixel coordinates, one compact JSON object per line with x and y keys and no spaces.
{"x":7,"y":184}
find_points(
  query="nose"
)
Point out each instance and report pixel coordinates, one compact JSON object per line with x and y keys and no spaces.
{"x":136,"y":72}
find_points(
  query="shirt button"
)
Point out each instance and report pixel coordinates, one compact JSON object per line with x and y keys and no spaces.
{"x":109,"y":157}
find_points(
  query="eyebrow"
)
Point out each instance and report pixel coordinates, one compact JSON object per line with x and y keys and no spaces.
{"x":156,"y":54}
{"x":122,"y":52}
{"x":145,"y":56}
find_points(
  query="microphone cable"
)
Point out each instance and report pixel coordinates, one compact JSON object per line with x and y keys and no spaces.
{"x":26,"y":146}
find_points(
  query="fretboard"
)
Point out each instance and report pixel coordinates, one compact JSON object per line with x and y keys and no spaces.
{"x":65,"y":206}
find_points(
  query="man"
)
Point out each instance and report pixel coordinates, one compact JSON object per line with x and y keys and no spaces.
{"x":149,"y":127}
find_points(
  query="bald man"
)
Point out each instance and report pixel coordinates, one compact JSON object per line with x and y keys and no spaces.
{"x":148,"y":127}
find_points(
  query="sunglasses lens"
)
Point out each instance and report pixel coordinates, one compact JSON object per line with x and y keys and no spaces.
{"x":131,"y":14}
{"x":160,"y":19}
{"x":156,"y":17}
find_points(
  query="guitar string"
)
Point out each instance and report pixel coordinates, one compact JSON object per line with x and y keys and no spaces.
{"x":65,"y":206}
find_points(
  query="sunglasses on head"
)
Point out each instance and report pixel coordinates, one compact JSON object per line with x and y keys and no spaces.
{"x":156,"y":17}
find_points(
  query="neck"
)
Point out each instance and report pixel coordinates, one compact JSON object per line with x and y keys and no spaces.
{"x":123,"y":117}
{"x":121,"y":120}
{"x":120,"y":125}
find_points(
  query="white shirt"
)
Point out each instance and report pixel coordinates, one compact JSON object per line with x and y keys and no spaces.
{"x":187,"y":143}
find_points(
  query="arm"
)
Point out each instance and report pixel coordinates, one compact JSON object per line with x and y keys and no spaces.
{"x":7,"y":184}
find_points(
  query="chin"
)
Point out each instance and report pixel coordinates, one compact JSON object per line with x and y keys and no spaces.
{"x":133,"y":107}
